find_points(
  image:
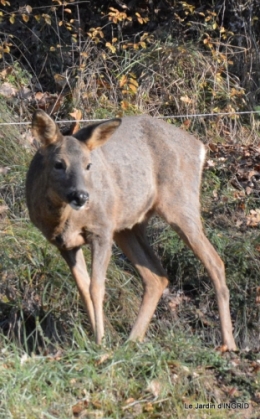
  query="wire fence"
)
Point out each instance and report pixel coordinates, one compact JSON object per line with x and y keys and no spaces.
{"x":199,"y":115}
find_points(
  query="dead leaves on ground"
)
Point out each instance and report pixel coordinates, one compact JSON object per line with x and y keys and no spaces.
{"x":241,"y":167}
{"x":50,"y":103}
{"x":174,"y":300}
{"x":241,"y":162}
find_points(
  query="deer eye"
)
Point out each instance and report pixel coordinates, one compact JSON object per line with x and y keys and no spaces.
{"x":59,"y":165}
{"x":88,"y":166}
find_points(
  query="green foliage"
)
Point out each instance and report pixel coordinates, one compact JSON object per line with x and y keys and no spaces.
{"x":18,"y":76}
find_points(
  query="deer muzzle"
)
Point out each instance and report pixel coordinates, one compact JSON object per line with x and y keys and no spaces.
{"x":78,"y":199}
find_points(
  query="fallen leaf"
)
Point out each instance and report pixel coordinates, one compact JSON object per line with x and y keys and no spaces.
{"x":210,"y":163}
{"x":186,"y":124}
{"x":25,"y":93}
{"x":215,"y":194}
{"x":61,"y":81}
{"x":213,"y":147}
{"x":103,"y":358}
{"x":91,"y":414}
{"x":97,"y":404}
{"x":6,"y":72}
{"x":154,"y":387}
{"x":232,"y":392}
{"x":257,"y":299}
{"x":222,"y":349}
{"x":50,"y":103}
{"x":128,"y":401}
{"x":7,"y":90}
{"x":186,"y":99}
{"x":239,"y":223}
{"x":248,"y":190}
{"x":253,"y":219}
{"x":255,"y":367}
{"x":3,"y":209}
{"x":252,"y":173}
{"x":24,"y":358}
{"x":39,"y":95}
{"x":148,"y":407}
{"x":79,"y":407}
{"x":4,"y":170}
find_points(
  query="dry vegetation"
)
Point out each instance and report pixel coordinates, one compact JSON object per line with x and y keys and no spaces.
{"x":110,"y":59}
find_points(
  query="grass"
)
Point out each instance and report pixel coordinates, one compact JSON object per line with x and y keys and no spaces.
{"x":128,"y":381}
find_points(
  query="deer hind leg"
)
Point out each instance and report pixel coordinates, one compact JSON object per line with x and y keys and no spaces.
{"x":188,"y":225}
{"x":135,"y":246}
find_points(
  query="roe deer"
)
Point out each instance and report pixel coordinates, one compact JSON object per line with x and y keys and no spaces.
{"x":102,"y":185}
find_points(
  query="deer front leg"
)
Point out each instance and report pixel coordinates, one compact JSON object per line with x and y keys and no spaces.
{"x":101,"y":253}
{"x":76,"y":262}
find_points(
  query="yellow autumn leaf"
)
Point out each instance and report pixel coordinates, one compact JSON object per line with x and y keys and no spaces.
{"x":123,"y":81}
{"x":132,"y":88}
{"x":125,"y":105}
{"x":28,"y":9}
{"x":219,"y":77}
{"x":186,"y":99}
{"x":12,"y":19}
{"x":25,"y":18}
{"x":47,"y":18}
{"x":84,"y":54}
{"x":76,"y":114}
{"x":133,"y":81}
{"x":111,"y":47}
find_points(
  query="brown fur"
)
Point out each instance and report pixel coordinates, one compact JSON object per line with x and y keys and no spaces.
{"x":144,"y":166}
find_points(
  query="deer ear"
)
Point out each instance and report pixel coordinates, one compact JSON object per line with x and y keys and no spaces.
{"x":44,"y":128}
{"x":96,"y":135}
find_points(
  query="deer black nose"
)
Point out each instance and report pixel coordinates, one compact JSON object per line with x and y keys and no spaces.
{"x":77,"y":199}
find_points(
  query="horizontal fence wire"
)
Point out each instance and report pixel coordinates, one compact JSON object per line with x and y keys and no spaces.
{"x":158,"y":117}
